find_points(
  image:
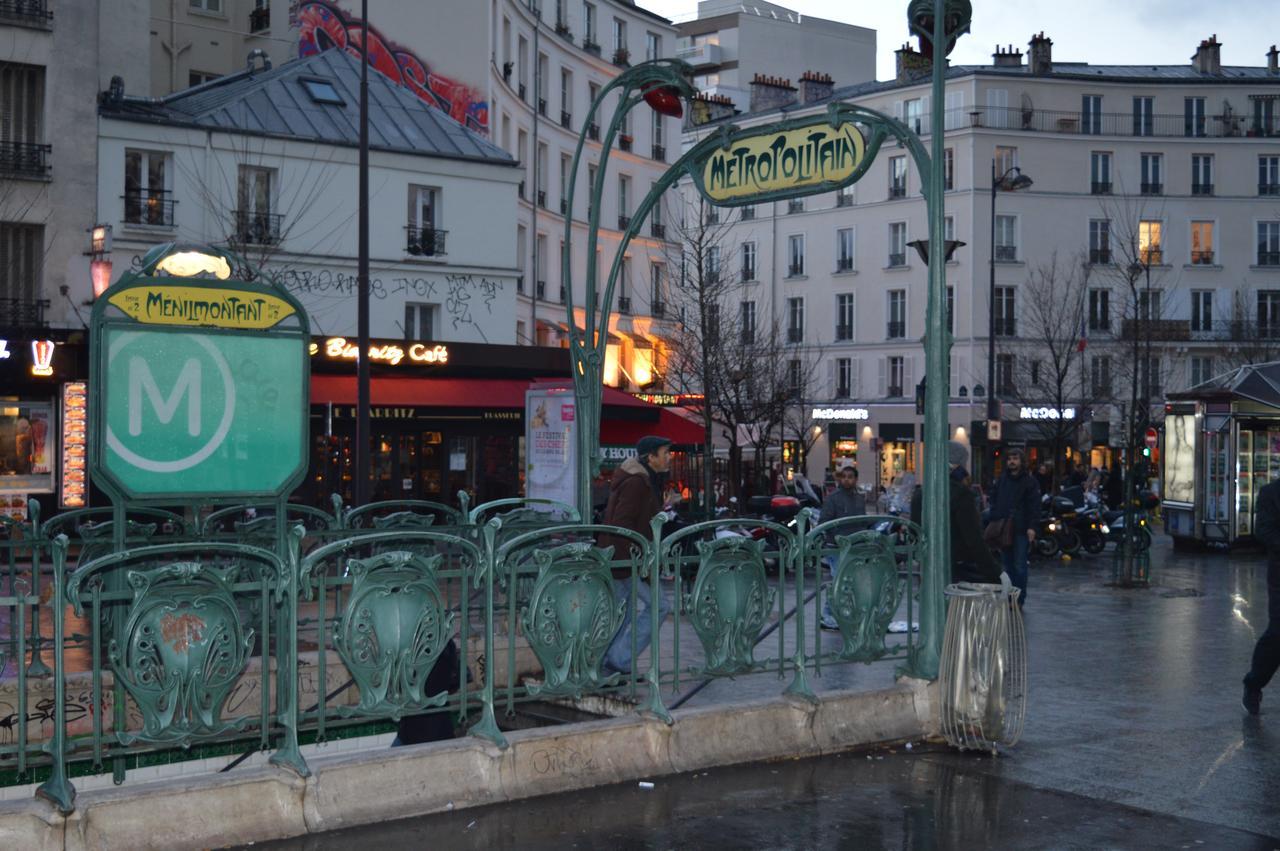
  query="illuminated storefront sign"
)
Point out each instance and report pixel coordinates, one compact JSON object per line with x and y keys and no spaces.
{"x":670,"y":400}
{"x":195,"y":306}
{"x":1029,"y":413}
{"x":73,"y":474}
{"x":393,"y":354}
{"x":42,"y":357}
{"x":4,"y":349}
{"x":841,"y":414}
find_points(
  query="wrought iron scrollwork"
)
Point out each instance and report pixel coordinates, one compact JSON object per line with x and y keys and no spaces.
{"x":729,"y":603}
{"x":392,"y":632}
{"x":571,"y":618}
{"x":184,"y":646}
{"x":865,"y":593}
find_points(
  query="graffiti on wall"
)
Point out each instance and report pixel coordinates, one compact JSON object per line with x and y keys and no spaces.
{"x":323,"y":26}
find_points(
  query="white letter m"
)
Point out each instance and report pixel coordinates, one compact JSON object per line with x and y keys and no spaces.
{"x":140,"y":379}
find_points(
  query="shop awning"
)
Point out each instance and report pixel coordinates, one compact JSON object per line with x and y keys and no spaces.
{"x":669,"y":424}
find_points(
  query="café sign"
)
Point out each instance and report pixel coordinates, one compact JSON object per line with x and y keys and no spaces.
{"x":756,"y":165}
{"x":340,"y":348}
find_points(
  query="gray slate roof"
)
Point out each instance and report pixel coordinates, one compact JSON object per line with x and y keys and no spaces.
{"x":275,"y":103}
{"x":1259,"y":382}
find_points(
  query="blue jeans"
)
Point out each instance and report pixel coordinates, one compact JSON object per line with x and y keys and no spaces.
{"x":617,"y":659}
{"x":830,"y":562}
{"x":1015,"y":564}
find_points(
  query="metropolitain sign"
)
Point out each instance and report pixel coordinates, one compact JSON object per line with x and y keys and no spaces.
{"x":782,"y":162}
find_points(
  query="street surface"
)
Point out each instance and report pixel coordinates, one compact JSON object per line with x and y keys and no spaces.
{"x":1134,"y":739}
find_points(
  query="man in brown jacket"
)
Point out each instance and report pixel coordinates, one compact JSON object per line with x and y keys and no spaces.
{"x":635,"y":496}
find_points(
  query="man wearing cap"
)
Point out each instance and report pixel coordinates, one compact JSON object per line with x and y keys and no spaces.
{"x":635,"y":496}
{"x":1017,"y":500}
{"x":847,"y":501}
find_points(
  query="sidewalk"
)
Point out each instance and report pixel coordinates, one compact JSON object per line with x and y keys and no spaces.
{"x":1135,"y":694}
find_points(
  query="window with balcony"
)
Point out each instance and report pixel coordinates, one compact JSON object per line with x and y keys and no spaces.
{"x":657,"y":229}
{"x":1150,"y":242}
{"x":541,"y":175}
{"x":22,"y":152}
{"x":844,"y":197}
{"x":1006,"y":239}
{"x":214,"y":6}
{"x":1006,"y":312}
{"x":425,"y":238}
{"x":658,"y":288}
{"x":713,"y":264}
{"x":624,"y":284}
{"x":1091,"y":114}
{"x":795,"y":205}
{"x":1201,"y":310}
{"x":897,"y":376}
{"x":1099,"y":310}
{"x":566,"y":167}
{"x":1202,"y":244}
{"x":591,"y":187}
{"x":1269,"y":175}
{"x":948,"y":169}
{"x":897,"y":244}
{"x":621,"y":56}
{"x":147,"y":199}
{"x":951,"y":310}
{"x":522,"y":68}
{"x":31,"y":13}
{"x":1152,"y":169}
{"x":1100,"y":172}
{"x":1005,"y":384}
{"x":795,"y":379}
{"x":795,"y":255}
{"x":260,"y":16}
{"x":1149,"y":303}
{"x":255,"y":222}
{"x":913,"y":112}
{"x":748,"y":250}
{"x":949,"y":228}
{"x":624,"y":202}
{"x":420,"y":321}
{"x":1193,"y":112}
{"x":1201,"y":174}
{"x":590,"y":38}
{"x":897,"y":177}
{"x":1099,"y":240}
{"x":1143,"y":109}
{"x":795,"y":320}
{"x":659,"y":144}
{"x":747,"y":321}
{"x":1201,"y":370}
{"x":652,"y":46}
{"x":897,"y":315}
{"x":844,"y":250}
{"x":562,"y":19}
{"x":844,"y":316}
{"x":1152,"y":388}
{"x":1268,"y":244}
{"x":844,"y":378}
{"x":1265,"y":115}
{"x":566,"y":98}
{"x":1100,"y":376}
{"x":1269,"y":314}
{"x":1006,"y":157}
{"x":21,"y":262}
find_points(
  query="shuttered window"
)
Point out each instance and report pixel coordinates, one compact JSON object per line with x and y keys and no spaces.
{"x":21,"y":252}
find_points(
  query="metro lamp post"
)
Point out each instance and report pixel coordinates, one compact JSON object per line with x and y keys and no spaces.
{"x":1011,"y":181}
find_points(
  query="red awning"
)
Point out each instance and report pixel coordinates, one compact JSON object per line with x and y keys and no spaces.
{"x":669,"y":424}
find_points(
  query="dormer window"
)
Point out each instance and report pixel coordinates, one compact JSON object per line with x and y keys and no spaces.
{"x":322,"y":91}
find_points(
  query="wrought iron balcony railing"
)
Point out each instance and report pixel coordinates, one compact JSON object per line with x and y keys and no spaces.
{"x":1100,"y":187}
{"x":622,"y":57}
{"x":151,"y":207}
{"x":895,"y":390}
{"x":625,"y":142}
{"x":1006,"y":327}
{"x":795,"y":206}
{"x":898,"y":191}
{"x":748,"y":273}
{"x":425,"y":242}
{"x":27,"y":12}
{"x":259,"y":19}
{"x":896,"y":330}
{"x":660,"y":153}
{"x":542,"y":198}
{"x":590,"y":46}
{"x":1202,"y":189}
{"x":897,"y":260}
{"x":1007,"y":253}
{"x":1152,"y":188}
{"x":1157,"y":330}
{"x":542,"y":107}
{"x":522,"y":90}
{"x":658,"y":230}
{"x":624,"y":304}
{"x":25,"y":159}
{"x":844,"y":332}
{"x":564,"y":206}
{"x":748,"y":213}
{"x":844,"y":264}
{"x":795,"y":270}
{"x":1269,"y":258}
{"x":844,"y":199}
{"x":624,"y":222}
{"x":795,"y":335}
{"x":658,"y":309}
{"x":1099,"y":255}
{"x":566,"y":119}
{"x":540,"y":290}
{"x":1269,"y":188}
{"x":1201,"y":258}
{"x":255,"y":228}
{"x":22,"y":312}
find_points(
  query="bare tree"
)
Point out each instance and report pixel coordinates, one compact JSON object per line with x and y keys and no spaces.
{"x":1252,"y":335}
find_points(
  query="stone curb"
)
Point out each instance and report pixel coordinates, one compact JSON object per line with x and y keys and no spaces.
{"x":352,"y":789}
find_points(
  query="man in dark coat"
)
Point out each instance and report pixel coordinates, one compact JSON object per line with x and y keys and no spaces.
{"x":1266,"y":654}
{"x":971,"y":559}
{"x":846,"y":501}
{"x":1017,"y":498}
{"x":635,"y":496}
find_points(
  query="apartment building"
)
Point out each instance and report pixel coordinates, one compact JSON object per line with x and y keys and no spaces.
{"x":730,"y":42}
{"x":523,"y":72}
{"x":1155,"y":190}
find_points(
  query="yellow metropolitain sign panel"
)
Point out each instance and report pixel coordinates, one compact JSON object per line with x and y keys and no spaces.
{"x":207,"y":307}
{"x":776,"y":162}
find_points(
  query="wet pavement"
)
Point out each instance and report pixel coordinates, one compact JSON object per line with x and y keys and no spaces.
{"x":1134,"y":739}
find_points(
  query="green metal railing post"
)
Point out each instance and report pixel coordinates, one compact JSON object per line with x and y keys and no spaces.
{"x":289,"y":550}
{"x":653,"y":702}
{"x":58,"y":788}
{"x":487,"y":726}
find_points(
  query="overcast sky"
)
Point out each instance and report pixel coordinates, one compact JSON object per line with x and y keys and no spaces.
{"x":1123,"y":32}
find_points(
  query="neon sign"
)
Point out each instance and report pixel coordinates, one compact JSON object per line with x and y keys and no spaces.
{"x":4,"y":349}
{"x":42,"y":357}
{"x":393,"y":354}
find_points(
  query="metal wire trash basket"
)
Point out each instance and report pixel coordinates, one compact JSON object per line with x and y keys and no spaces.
{"x":984,"y":667}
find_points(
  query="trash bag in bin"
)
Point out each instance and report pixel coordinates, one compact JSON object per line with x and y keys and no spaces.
{"x":984,"y":667}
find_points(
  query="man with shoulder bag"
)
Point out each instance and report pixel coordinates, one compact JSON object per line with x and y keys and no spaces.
{"x":1015,"y":510}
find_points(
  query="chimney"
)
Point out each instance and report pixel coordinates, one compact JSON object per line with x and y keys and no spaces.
{"x":1040,"y":55}
{"x":707,"y":108}
{"x":1273,"y":61}
{"x":912,"y":65}
{"x":1006,"y":58}
{"x":771,"y":93}
{"x":1208,"y":58}
{"x":815,"y":86}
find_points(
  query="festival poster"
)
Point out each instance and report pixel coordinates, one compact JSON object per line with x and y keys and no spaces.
{"x":551,"y":444}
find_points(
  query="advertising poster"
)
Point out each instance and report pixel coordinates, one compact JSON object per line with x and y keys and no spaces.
{"x":27,"y":446}
{"x":551,"y":441}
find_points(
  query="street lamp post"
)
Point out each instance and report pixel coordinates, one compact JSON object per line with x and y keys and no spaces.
{"x":1019,"y":181}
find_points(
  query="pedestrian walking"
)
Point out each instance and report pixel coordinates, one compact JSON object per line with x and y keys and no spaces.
{"x":1015,"y":510}
{"x":971,"y":558}
{"x":1266,"y":653}
{"x":847,"y":501}
{"x":636,"y":494}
